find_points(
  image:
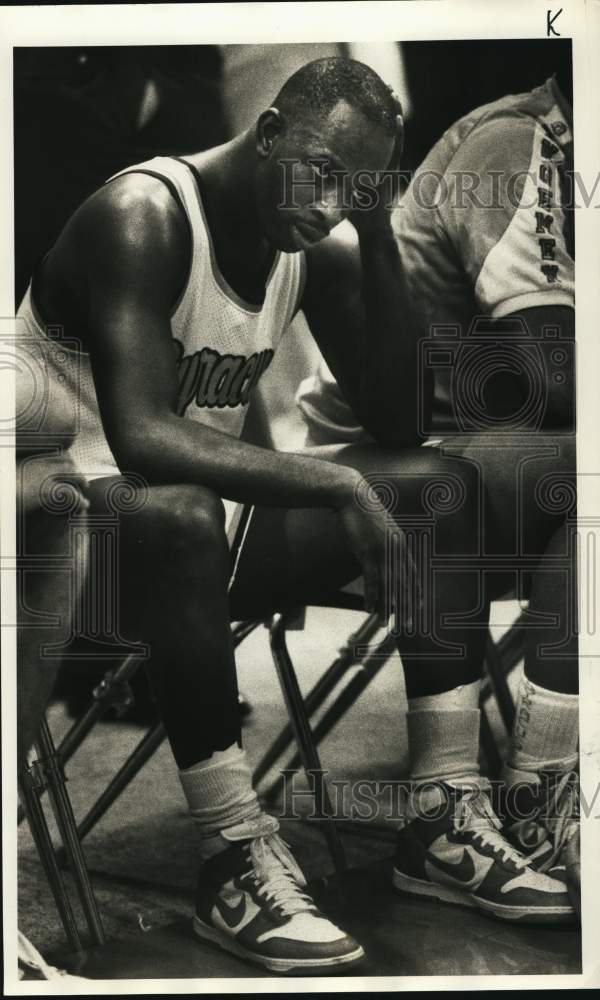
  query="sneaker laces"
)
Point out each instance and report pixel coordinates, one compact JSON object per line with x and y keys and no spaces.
{"x":557,"y":816}
{"x":474,"y":814}
{"x":279,"y":875}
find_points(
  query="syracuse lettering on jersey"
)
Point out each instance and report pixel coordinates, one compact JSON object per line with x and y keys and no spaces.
{"x":214,"y":379}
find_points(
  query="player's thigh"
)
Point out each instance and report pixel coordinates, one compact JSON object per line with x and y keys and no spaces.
{"x":290,"y":555}
{"x":527,"y":486}
{"x":172,"y":529}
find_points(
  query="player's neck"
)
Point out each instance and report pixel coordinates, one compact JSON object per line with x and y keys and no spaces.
{"x":226,"y":173}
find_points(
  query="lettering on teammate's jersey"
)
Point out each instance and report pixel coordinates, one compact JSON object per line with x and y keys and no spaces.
{"x":544,"y":220}
{"x":217,"y":380}
{"x":543,"y":223}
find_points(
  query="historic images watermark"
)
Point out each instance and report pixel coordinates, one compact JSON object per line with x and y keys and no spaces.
{"x":315,"y":180}
{"x":393,"y":800}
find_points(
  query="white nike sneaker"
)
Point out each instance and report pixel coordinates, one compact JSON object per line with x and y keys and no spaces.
{"x":456,"y":853}
{"x":549,"y":833}
{"x":250,"y":902}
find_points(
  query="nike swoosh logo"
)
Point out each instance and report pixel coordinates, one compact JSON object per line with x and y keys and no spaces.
{"x":464,"y":871}
{"x":232,"y":915}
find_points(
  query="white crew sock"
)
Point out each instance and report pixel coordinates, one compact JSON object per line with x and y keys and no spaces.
{"x":545,"y":733}
{"x":443,"y":739}
{"x":466,"y":696}
{"x":220,"y":797}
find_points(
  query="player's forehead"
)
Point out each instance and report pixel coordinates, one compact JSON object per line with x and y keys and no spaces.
{"x":347,"y":136}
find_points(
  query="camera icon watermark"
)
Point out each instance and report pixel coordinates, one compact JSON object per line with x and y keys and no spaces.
{"x":46,"y":371}
{"x":496,"y":376}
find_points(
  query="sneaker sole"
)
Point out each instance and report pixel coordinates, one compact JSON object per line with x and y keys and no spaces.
{"x":411,"y":886}
{"x":304,"y":965}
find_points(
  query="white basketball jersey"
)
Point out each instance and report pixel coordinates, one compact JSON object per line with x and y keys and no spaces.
{"x":221,"y":344}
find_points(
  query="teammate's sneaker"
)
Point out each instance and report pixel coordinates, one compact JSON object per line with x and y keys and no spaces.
{"x":549,"y":833}
{"x":456,"y":853}
{"x":251,"y":902}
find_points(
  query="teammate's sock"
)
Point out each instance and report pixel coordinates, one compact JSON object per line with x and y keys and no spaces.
{"x":443,"y":738}
{"x":546,"y":730}
{"x":221,"y":798}
{"x":544,"y":738}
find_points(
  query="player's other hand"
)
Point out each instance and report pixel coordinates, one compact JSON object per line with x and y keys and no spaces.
{"x":367,"y":525}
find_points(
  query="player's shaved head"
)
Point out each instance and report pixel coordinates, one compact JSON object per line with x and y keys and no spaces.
{"x":333,"y":118}
{"x":316,"y":88}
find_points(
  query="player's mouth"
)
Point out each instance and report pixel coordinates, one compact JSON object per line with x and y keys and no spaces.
{"x":306,"y":235}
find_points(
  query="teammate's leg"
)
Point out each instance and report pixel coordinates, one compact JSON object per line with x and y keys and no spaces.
{"x":529,"y":511}
{"x":291,"y":554}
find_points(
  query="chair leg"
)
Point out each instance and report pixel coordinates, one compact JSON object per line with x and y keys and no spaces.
{"x":306,"y":744}
{"x":134,"y":763}
{"x":103,"y":697}
{"x":346,"y":659}
{"x":61,"y":805}
{"x":344,"y":701}
{"x":31,"y":783}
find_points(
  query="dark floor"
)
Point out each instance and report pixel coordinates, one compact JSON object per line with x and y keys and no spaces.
{"x":143,"y":853}
{"x":401,"y":937}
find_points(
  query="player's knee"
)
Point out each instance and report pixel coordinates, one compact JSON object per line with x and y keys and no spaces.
{"x":189,"y":519}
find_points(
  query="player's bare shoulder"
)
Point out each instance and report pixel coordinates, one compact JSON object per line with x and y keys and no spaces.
{"x":133,"y":218}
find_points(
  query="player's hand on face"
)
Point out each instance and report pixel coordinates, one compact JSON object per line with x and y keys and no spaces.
{"x":372,"y":211}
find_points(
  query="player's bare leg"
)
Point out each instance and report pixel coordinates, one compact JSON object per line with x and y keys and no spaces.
{"x":176,"y":564}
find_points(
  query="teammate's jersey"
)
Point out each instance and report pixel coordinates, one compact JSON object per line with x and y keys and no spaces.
{"x":221,"y":344}
{"x":483,"y":230}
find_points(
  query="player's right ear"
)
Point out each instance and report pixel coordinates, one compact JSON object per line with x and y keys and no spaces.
{"x":268,"y":128}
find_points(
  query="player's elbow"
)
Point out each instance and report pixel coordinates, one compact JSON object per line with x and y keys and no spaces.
{"x":137,"y":448}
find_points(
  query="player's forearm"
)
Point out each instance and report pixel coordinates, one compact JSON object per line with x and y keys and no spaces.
{"x":177,"y":450}
{"x":388,"y":386}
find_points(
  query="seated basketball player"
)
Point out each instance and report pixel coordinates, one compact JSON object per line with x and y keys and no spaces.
{"x":179,"y":278}
{"x":484,"y":231}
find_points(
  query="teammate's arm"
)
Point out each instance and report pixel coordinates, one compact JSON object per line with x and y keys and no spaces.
{"x":552,"y":329}
{"x":513,"y":236}
{"x":135,"y":250}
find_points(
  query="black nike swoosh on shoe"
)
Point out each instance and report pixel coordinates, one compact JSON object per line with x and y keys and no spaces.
{"x":463,"y":871}
{"x":231,"y":914}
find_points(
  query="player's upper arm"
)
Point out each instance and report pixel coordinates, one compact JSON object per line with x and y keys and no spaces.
{"x":135,"y":254}
{"x":503,"y":209}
